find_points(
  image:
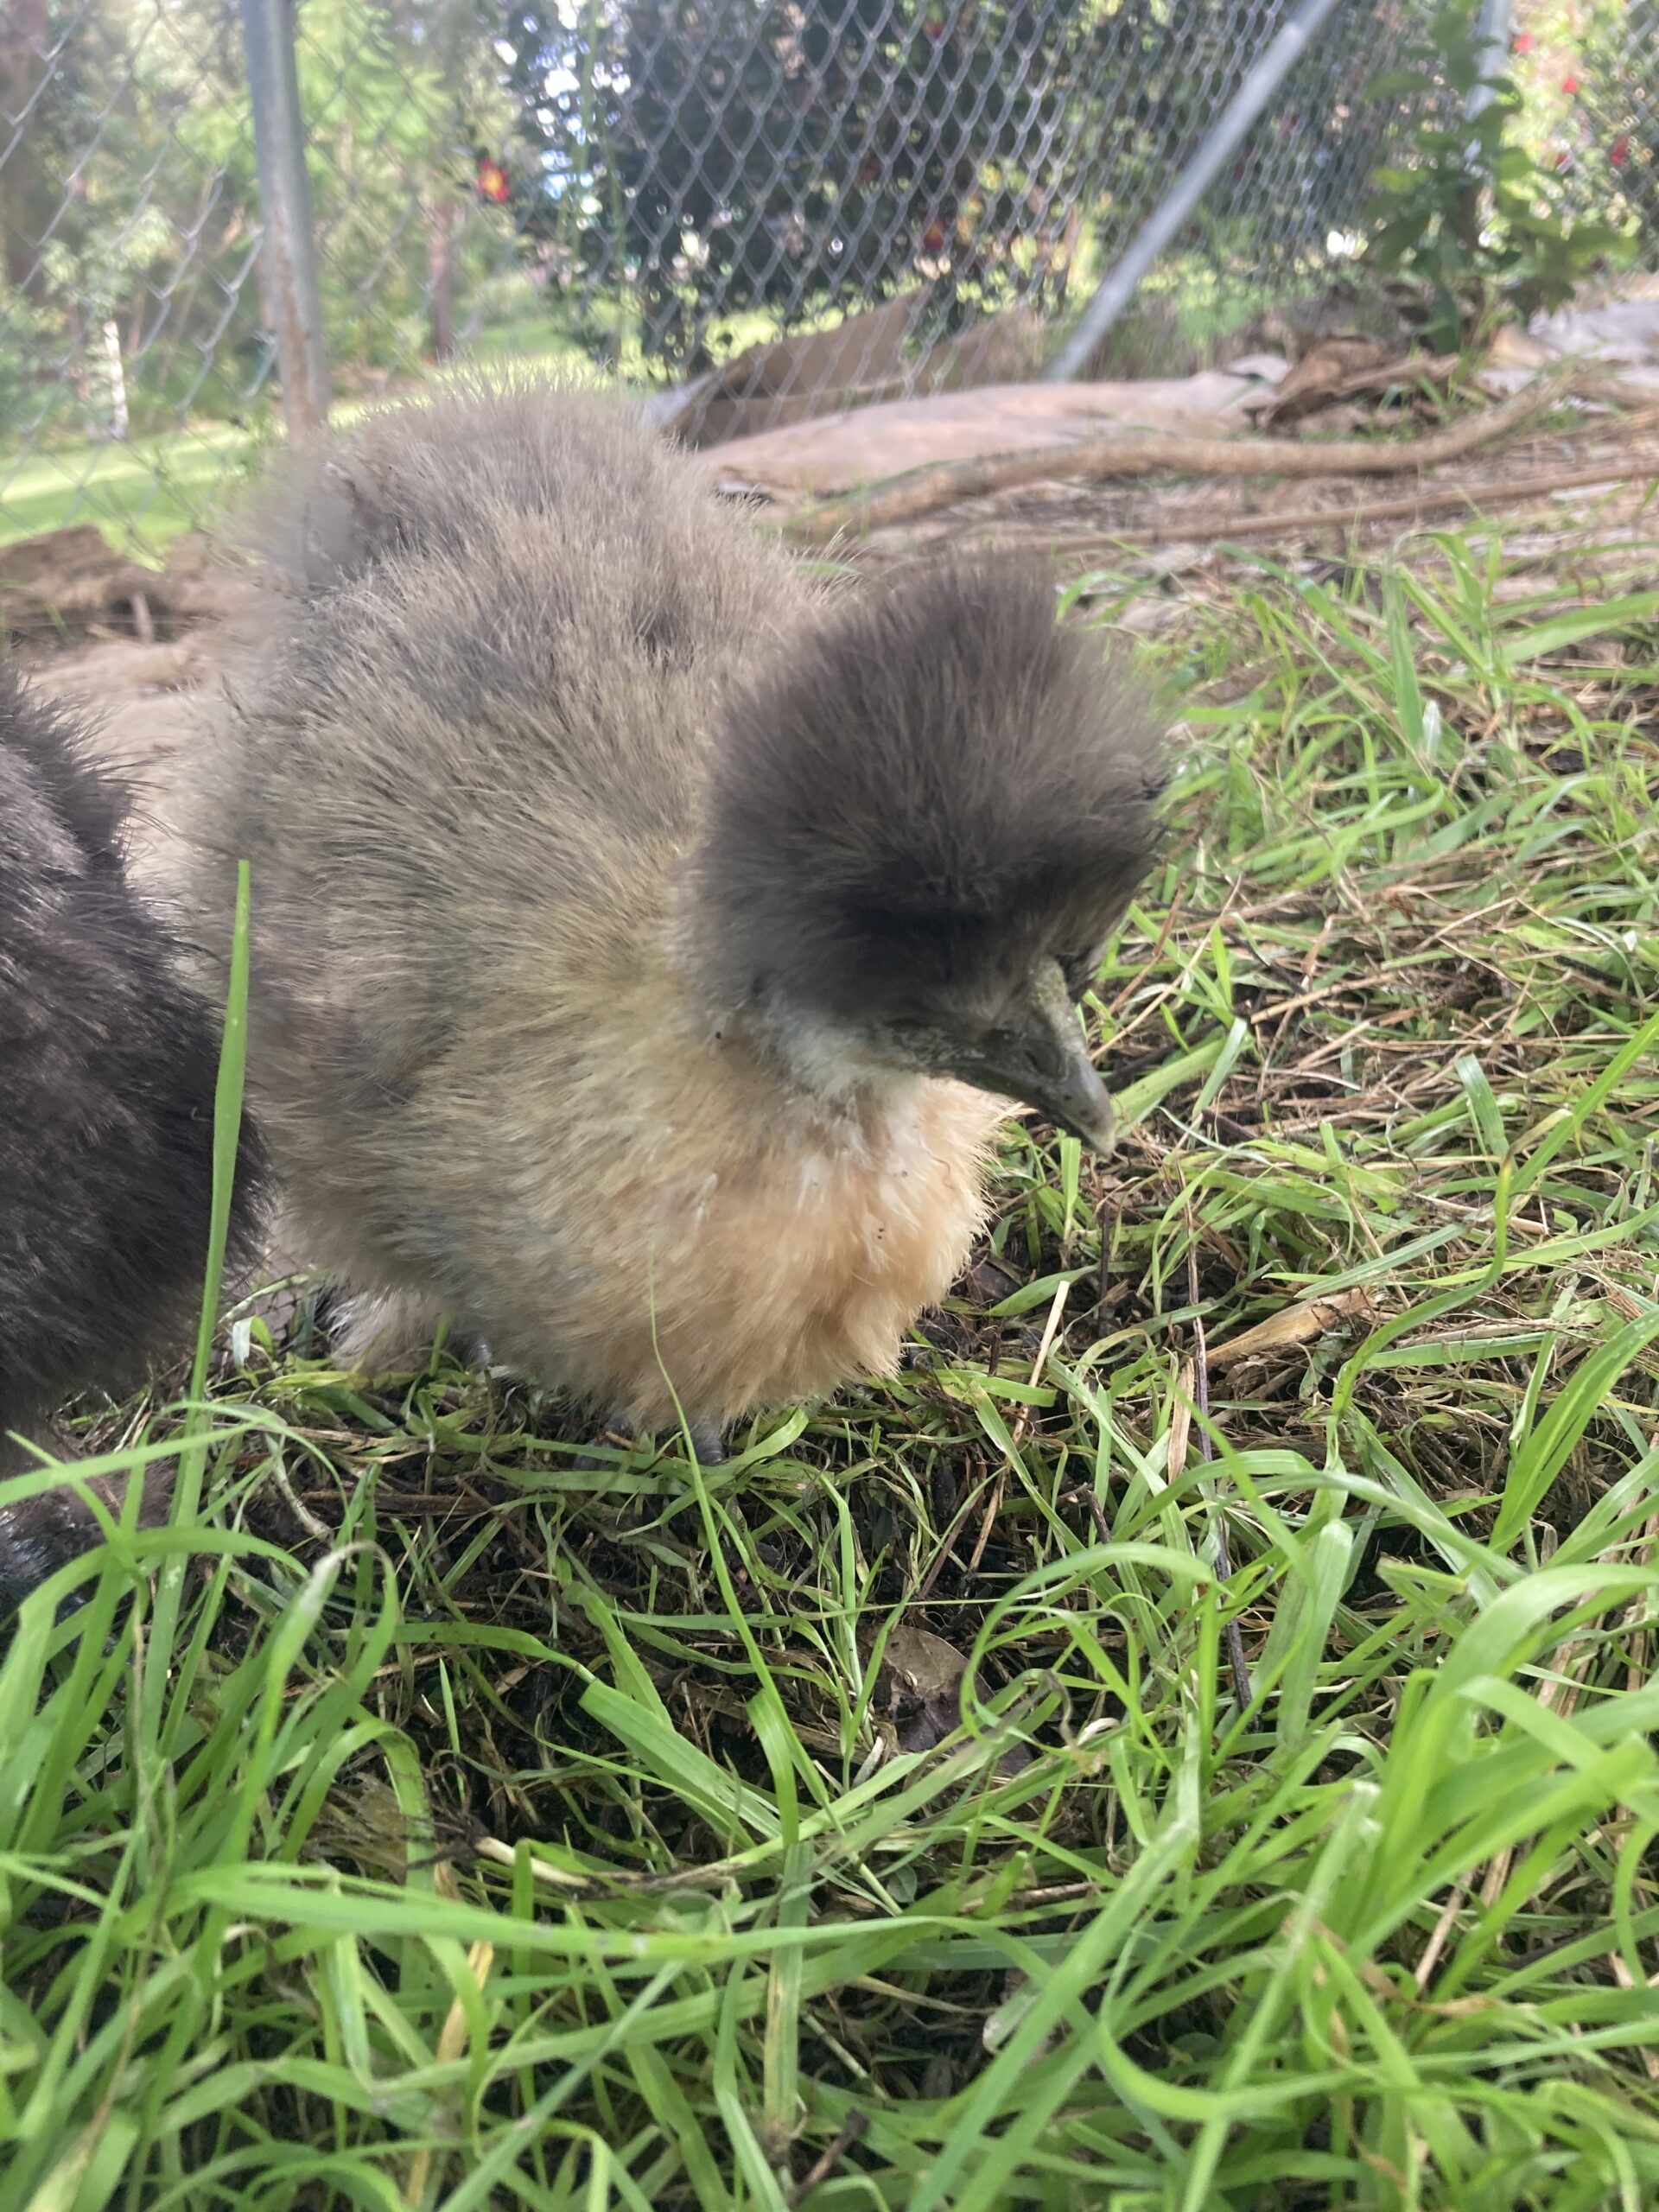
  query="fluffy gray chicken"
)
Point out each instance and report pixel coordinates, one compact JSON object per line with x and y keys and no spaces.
{"x":641,"y":937}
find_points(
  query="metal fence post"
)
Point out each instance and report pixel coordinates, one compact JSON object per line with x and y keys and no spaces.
{"x":1262,"y":80}
{"x":285,"y":207}
{"x":1492,"y":45}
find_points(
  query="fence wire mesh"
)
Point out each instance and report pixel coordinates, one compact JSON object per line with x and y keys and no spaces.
{"x":763,"y":199}
{"x":130,"y":255}
{"x":1590,"y":73}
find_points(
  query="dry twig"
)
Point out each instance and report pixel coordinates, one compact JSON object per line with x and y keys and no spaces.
{"x":1432,"y":499}
{"x":920,"y":492}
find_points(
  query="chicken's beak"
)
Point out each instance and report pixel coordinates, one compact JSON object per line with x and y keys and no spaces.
{"x":1043,"y":1060}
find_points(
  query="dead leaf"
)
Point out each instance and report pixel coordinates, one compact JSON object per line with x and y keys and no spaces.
{"x":1345,"y":366}
{"x":922,"y":1677}
{"x":452,"y":2041}
{"x":1293,"y":1324}
{"x":939,"y":2077}
{"x":1180,"y":1422}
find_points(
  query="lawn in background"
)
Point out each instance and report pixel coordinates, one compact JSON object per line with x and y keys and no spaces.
{"x":873,"y":1821}
{"x":145,"y":492}
{"x":141,"y":494}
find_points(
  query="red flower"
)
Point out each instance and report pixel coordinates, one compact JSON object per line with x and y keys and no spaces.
{"x":493,"y":183}
{"x":933,"y":237}
{"x":1619,"y":152}
{"x":1563,"y":160}
{"x":1523,"y":41}
{"x":1570,"y":85}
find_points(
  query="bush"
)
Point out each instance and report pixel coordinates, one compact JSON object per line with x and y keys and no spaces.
{"x":1467,"y":218}
{"x":744,"y":154}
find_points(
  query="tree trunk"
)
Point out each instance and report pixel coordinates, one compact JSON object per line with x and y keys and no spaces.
{"x":117,"y":373}
{"x":28,"y":198}
{"x":440,"y":279}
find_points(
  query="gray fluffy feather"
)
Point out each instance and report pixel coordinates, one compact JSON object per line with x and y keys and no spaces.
{"x":558,"y":781}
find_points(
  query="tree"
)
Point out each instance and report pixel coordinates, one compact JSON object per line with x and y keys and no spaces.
{"x":123,"y":246}
{"x":134,"y":287}
{"x":27,"y":198}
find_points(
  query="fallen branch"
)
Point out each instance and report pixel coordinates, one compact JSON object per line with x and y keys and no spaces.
{"x":918,"y":492}
{"x":1431,"y":500}
{"x":1434,"y":499}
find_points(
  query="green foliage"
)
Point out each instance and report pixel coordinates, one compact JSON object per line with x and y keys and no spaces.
{"x":1465,"y":215}
{"x":129,"y":203}
{"x":399,"y":96}
{"x":125,"y":213}
{"x":1588,"y":74}
{"x":704,"y":162}
{"x":25,"y":337}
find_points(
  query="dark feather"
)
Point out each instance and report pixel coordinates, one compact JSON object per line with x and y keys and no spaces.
{"x":108,"y":1063}
{"x":940,"y":786}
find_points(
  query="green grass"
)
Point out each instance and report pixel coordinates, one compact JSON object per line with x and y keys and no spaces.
{"x":143,"y":493}
{"x":870,"y":1822}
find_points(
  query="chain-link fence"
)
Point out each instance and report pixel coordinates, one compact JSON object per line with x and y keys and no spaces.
{"x":1589,"y":70}
{"x":769,"y":201}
